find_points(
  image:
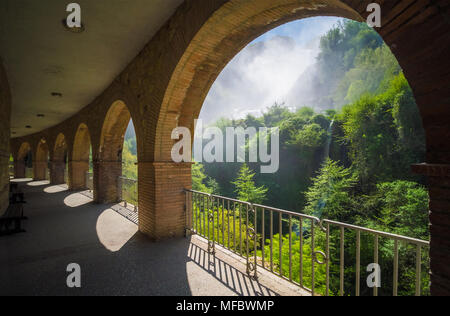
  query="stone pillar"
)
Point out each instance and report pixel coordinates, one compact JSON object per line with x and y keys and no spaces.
{"x":77,"y":174}
{"x":57,"y":169}
{"x":19,"y":169}
{"x":439,"y":189}
{"x":4,"y":181}
{"x":106,"y":176}
{"x":162,"y":198}
{"x":39,"y":170}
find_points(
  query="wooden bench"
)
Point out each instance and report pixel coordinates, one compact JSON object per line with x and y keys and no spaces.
{"x":11,"y":221}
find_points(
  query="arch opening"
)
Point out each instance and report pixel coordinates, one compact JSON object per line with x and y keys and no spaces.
{"x":41,"y":165}
{"x":80,"y":164}
{"x":23,"y":166}
{"x":110,"y":165}
{"x":59,"y":164}
{"x":205,"y":59}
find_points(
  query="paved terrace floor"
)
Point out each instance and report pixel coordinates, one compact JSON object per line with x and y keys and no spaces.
{"x":66,"y":227}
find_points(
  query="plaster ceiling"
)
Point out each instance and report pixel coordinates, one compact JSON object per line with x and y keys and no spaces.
{"x":41,"y":57}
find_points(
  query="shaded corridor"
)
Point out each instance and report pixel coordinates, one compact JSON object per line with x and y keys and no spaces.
{"x":66,"y":227}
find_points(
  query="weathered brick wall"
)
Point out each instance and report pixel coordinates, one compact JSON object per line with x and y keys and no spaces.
{"x":165,"y":85}
{"x":5,"y":119}
{"x":57,"y":160}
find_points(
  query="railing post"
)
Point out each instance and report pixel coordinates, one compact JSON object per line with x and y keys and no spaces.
{"x":188,"y":214}
{"x":395,"y":281}
{"x":119,"y":190}
{"x":327,"y":250}
{"x":418,"y":269}
{"x":251,"y":234}
{"x":358,"y":262}
{"x":313,"y":259}
{"x":341,"y":262}
{"x":210,"y":219}
{"x":375,"y":288}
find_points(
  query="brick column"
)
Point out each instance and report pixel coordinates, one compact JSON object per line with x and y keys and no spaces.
{"x":439,"y":188}
{"x":162,"y":198}
{"x":39,"y":170}
{"x":4,"y":181}
{"x":19,"y":169}
{"x":57,"y":169}
{"x":77,"y":174}
{"x":106,"y":176}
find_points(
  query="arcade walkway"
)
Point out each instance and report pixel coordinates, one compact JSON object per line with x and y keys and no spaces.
{"x":66,"y":227}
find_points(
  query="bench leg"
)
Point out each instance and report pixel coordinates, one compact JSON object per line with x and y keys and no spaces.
{"x":18,"y":226}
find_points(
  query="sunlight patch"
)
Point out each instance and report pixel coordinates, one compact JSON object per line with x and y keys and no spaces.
{"x":114,"y":231}
{"x":76,"y":200}
{"x":21,"y":180}
{"x":56,"y":189}
{"x":38,"y":183}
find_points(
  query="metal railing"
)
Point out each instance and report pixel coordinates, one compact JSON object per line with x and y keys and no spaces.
{"x":29,"y":174}
{"x":66,"y":175}
{"x":89,"y":181}
{"x":302,"y":249}
{"x":128,"y":189}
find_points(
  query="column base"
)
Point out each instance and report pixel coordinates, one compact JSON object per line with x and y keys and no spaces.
{"x":162,"y":198}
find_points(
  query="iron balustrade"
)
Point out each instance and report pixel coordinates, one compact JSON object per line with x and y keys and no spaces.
{"x":11,"y":170}
{"x":66,"y":176}
{"x":89,"y":178}
{"x":29,"y":174}
{"x":128,"y":190}
{"x":288,"y":244}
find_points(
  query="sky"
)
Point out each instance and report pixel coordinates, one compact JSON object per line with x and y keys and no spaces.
{"x":266,"y":70}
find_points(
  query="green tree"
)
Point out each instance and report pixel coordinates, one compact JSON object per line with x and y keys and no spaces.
{"x":129,"y":160}
{"x":246,"y":189}
{"x":330,"y":194}
{"x":404,"y":208}
{"x":201,"y":182}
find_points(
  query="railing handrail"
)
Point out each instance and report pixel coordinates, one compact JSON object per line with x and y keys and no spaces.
{"x":380,"y":233}
{"x":199,"y":222}
{"x":128,"y":179}
{"x":321,"y":222}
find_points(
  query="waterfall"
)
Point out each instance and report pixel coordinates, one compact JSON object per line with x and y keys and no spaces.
{"x":323,"y":201}
{"x":329,"y":139}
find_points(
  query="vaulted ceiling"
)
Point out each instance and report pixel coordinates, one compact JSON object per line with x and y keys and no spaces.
{"x":42,"y":57}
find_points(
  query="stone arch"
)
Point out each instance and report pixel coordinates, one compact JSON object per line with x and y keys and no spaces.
{"x":79,"y":160}
{"x":23,"y":160}
{"x":416,"y":34}
{"x":41,"y":161}
{"x":230,"y":27}
{"x":108,"y":166}
{"x":223,"y":36}
{"x":59,"y":160}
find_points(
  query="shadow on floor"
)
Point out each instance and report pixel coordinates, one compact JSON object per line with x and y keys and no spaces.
{"x":115,"y":259}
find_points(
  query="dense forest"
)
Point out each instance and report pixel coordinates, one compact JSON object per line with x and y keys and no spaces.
{"x":345,"y":155}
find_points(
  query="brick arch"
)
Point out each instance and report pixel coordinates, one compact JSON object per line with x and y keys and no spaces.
{"x":24,"y":149}
{"x":113,"y":132}
{"x":223,"y":36}
{"x":40,"y":166}
{"x":79,"y":158}
{"x":417,"y":34}
{"x":108,"y":166}
{"x":22,"y":159}
{"x":58,"y":160}
{"x":60,"y":148}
